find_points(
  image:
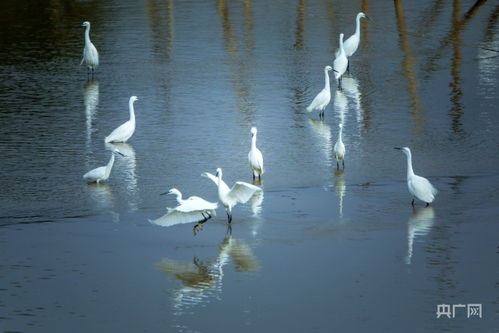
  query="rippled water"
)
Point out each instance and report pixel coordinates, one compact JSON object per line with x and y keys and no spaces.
{"x":322,"y":248}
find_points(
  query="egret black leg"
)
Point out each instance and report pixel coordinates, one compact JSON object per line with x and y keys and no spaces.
{"x":343,"y":162}
{"x":412,"y":203}
{"x":229,"y":217}
{"x":337,"y":165}
{"x":427,"y":204}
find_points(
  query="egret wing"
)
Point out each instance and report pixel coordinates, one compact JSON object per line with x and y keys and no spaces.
{"x":318,"y":100}
{"x":120,"y":132}
{"x":193,"y":204}
{"x":242,"y":192}
{"x":174,"y":217}
{"x":95,"y":173}
{"x":214,"y":179}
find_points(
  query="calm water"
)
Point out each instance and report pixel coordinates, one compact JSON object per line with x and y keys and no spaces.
{"x":321,"y":250}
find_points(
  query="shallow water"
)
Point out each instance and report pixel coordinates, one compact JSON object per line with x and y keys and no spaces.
{"x":322,"y":249}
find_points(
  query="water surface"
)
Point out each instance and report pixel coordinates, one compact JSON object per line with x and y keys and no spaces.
{"x":322,"y":249}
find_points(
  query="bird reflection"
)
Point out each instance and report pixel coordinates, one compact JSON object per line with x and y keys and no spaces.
{"x":129,"y":176}
{"x":103,"y":197}
{"x":323,"y":130}
{"x":419,"y":224}
{"x":90,"y":101}
{"x":256,"y":203}
{"x":339,"y":185}
{"x":202,"y":279}
{"x":340,"y":105}
{"x":351,"y":90}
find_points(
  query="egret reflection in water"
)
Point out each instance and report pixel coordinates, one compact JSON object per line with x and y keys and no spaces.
{"x":340,"y":188}
{"x":90,"y":101}
{"x":419,"y":224}
{"x":323,"y":130}
{"x":351,"y":90}
{"x":127,"y":166}
{"x":340,"y":105}
{"x":202,"y":280}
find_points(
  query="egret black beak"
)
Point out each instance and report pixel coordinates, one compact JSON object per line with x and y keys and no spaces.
{"x":118,"y":152}
{"x":398,"y":148}
{"x":367,"y":17}
{"x":167,"y":192}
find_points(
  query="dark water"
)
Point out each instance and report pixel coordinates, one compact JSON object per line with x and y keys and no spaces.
{"x":322,"y":250}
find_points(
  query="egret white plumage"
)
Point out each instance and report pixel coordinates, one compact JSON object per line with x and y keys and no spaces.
{"x":419,"y":187}
{"x":90,"y":54}
{"x":321,"y":101}
{"x":101,"y":173}
{"x":192,"y":209}
{"x":340,"y":63}
{"x":123,"y":132}
{"x":255,"y":157}
{"x":240,"y":192}
{"x":352,"y":43}
{"x":339,"y":149}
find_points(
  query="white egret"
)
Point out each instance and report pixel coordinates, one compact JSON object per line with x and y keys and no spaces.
{"x":352,"y":43}
{"x":419,"y":187}
{"x":101,"y":173}
{"x":255,"y":157}
{"x":123,"y":132}
{"x":90,"y":54}
{"x":340,"y":63}
{"x":239,"y":193}
{"x":339,"y":149}
{"x":321,"y":101}
{"x":192,"y":209}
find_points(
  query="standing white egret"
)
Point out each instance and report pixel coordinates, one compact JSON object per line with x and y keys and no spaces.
{"x":323,"y":98}
{"x":123,"y":132}
{"x":352,"y":43}
{"x":255,"y":156}
{"x":339,"y":149}
{"x":101,"y":173}
{"x":340,"y":63}
{"x":90,"y":54}
{"x":239,"y":193}
{"x":192,"y":209}
{"x":419,"y":187}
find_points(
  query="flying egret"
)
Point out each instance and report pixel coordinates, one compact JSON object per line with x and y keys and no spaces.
{"x":323,"y":98}
{"x":239,"y":193}
{"x":101,"y":173}
{"x":419,"y":187}
{"x":339,"y":149}
{"x":192,"y":209}
{"x":90,"y":54}
{"x":123,"y":132}
{"x":255,"y":156}
{"x":352,"y":43}
{"x":340,"y":62}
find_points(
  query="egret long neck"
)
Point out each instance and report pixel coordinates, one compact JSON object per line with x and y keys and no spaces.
{"x":132,"y":111}
{"x":253,"y":141}
{"x":357,"y":27}
{"x":179,"y":197}
{"x":87,"y":35}
{"x":109,"y":166}
{"x":340,"y":137}
{"x":410,"y":172}
{"x":342,"y":50}
{"x":326,"y":78}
